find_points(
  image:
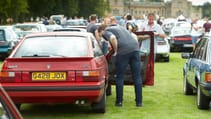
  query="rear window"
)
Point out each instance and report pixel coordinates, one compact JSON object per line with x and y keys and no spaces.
{"x":2,"y":36}
{"x":181,"y":31}
{"x":53,"y":47}
{"x":26,"y":28}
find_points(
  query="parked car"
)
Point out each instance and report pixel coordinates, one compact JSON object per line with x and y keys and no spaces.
{"x":76,"y":22}
{"x":146,"y":59}
{"x":196,"y":72}
{"x":27,"y":28}
{"x":73,"y":71}
{"x":162,"y":49}
{"x":180,"y":37}
{"x":8,"y":40}
{"x":58,"y":19}
{"x":52,"y":27}
{"x":7,"y":107}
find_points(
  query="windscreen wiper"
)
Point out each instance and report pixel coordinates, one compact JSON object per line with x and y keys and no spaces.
{"x":35,"y":55}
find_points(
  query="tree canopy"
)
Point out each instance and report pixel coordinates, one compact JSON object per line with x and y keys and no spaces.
{"x":21,"y":10}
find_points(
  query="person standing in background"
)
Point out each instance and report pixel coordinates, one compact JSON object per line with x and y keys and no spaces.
{"x":207,"y":25}
{"x":151,"y":25}
{"x":195,"y":33}
{"x":92,"y":27}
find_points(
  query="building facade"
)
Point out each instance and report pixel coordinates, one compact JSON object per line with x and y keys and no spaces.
{"x":172,"y":9}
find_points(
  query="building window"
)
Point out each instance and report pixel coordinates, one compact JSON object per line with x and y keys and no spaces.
{"x":115,"y":2}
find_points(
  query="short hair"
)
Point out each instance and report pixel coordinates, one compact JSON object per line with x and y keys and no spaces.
{"x":102,"y":27}
{"x":93,"y":17}
{"x":113,"y":18}
{"x":151,"y":14}
{"x":129,"y":17}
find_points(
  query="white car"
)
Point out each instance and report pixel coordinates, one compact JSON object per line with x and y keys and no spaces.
{"x":27,"y":28}
{"x":162,"y":50}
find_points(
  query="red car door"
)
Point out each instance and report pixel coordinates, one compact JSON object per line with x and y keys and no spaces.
{"x":146,"y":59}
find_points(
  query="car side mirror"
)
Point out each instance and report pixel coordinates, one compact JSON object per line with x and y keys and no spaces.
{"x":186,"y":55}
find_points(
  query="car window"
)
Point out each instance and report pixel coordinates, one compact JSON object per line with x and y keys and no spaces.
{"x":96,"y":47}
{"x":199,"y":52}
{"x":3,"y":110}
{"x":208,"y":58}
{"x":58,"y":46}
{"x":31,"y":28}
{"x":145,"y":45}
{"x":181,"y":31}
{"x":2,"y":36}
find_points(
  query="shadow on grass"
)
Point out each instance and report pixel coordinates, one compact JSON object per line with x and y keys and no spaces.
{"x":57,"y":110}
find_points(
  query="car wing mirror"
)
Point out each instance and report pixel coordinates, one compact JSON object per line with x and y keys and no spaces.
{"x":186,"y":55}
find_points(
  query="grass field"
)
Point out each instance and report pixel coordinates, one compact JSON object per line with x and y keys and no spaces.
{"x":164,"y":100}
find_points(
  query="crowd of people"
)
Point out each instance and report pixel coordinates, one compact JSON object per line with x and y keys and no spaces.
{"x":125,"y":44}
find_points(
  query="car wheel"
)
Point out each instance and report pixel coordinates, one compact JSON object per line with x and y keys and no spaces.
{"x":108,"y":90}
{"x":202,"y":100}
{"x":188,"y":90}
{"x":100,"y":107}
{"x":166,"y":59}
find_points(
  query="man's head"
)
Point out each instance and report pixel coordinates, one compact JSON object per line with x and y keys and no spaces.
{"x":93,"y":17}
{"x":113,"y":20}
{"x":151,"y":18}
{"x":101,"y":29}
{"x":107,"y":21}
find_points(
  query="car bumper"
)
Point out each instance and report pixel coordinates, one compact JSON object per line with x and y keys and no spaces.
{"x":206,"y":88}
{"x":48,"y":93}
{"x":182,"y":44}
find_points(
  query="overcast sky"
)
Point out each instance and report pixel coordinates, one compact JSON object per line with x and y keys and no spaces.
{"x":196,"y":2}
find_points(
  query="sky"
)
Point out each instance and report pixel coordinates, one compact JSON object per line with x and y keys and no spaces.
{"x":196,"y":2}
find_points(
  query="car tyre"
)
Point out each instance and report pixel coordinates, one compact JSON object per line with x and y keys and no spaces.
{"x":202,"y":100}
{"x":100,"y":107}
{"x":166,"y":59}
{"x":188,"y":90}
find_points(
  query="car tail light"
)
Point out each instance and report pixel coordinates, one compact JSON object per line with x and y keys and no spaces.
{"x":208,"y":76}
{"x":88,"y":76}
{"x":10,"y":77}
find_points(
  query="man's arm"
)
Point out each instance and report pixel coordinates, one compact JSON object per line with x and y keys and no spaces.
{"x":114,"y":43}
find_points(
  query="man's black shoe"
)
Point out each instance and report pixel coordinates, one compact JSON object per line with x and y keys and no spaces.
{"x":138,"y":104}
{"x":118,"y":104}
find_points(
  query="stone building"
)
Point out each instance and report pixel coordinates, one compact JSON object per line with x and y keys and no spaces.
{"x":173,"y":8}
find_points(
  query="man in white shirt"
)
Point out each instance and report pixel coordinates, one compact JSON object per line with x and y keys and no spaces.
{"x":151,"y":25}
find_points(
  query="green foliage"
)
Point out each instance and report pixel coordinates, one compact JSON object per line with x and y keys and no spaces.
{"x":206,"y":9}
{"x":13,"y":8}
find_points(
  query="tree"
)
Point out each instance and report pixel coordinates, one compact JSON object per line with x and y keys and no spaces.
{"x":92,"y":7}
{"x":13,"y":8}
{"x":206,"y":9}
{"x":39,"y":8}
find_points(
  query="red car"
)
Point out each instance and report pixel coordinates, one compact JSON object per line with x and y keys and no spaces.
{"x":57,"y":67}
{"x":7,"y":108}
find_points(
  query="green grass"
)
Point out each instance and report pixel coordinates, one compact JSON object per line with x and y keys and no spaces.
{"x":164,"y":100}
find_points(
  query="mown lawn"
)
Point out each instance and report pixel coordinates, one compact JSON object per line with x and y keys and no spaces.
{"x":164,"y":100}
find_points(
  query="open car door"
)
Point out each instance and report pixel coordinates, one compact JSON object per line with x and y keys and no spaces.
{"x":146,"y":43}
{"x":7,"y":108}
